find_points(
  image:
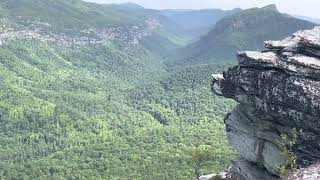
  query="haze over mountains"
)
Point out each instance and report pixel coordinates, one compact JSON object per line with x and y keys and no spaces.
{"x":197,"y":22}
{"x":85,"y":92}
{"x":314,"y":20}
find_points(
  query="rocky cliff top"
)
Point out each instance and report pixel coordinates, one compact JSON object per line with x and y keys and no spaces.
{"x":278,"y":90}
{"x":271,"y":7}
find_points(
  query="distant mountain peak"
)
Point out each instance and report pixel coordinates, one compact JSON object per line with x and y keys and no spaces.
{"x":132,"y":5}
{"x":270,"y":7}
{"x":247,"y":29}
{"x":236,"y":9}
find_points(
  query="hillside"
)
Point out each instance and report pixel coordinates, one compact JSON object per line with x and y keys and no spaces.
{"x":74,"y":22}
{"x":247,"y":29}
{"x":66,"y":14}
{"x":84,"y":95}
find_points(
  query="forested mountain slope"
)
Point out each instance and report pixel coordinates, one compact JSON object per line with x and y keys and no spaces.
{"x":84,"y":95}
{"x":247,"y":29}
{"x":74,"y":22}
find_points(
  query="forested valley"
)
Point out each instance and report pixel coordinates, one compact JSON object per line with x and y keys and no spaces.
{"x":92,"y":91}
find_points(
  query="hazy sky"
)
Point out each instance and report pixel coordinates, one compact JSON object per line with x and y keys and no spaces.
{"x":309,"y":8}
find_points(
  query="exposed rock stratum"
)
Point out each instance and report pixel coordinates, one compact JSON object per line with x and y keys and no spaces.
{"x":278,"y":90}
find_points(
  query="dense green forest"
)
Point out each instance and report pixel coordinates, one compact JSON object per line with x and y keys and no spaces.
{"x":70,"y":113}
{"x":110,"y":110}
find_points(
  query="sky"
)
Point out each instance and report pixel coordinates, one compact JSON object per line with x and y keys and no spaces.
{"x":310,"y":8}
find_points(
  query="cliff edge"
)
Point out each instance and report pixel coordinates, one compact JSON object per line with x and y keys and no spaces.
{"x":278,"y":91}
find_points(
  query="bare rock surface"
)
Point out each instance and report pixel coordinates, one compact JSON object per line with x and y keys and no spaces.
{"x":278,"y":90}
{"x":312,"y":172}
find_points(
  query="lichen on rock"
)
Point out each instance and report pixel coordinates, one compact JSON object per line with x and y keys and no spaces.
{"x":278,"y":90}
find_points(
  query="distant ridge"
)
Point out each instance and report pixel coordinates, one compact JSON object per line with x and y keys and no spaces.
{"x":247,"y":29}
{"x":197,"y":22}
{"x":130,"y":5}
{"x":314,"y":20}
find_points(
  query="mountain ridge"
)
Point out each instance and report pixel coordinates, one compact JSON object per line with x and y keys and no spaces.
{"x":81,"y":23}
{"x":243,"y":30}
{"x":83,"y":96}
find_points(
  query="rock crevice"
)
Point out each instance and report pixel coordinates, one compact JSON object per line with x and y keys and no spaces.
{"x":278,"y":90}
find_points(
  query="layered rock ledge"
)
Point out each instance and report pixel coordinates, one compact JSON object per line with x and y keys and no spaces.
{"x":278,"y":90}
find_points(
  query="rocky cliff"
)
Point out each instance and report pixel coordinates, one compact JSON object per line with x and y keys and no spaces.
{"x":130,"y":35}
{"x":278,"y":90}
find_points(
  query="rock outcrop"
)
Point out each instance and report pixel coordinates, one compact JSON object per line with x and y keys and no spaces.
{"x":130,"y":35}
{"x":311,"y":172}
{"x":278,"y":90}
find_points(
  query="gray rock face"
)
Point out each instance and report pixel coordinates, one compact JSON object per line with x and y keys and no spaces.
{"x":278,"y":90}
{"x":246,"y":170}
{"x":305,"y":42}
